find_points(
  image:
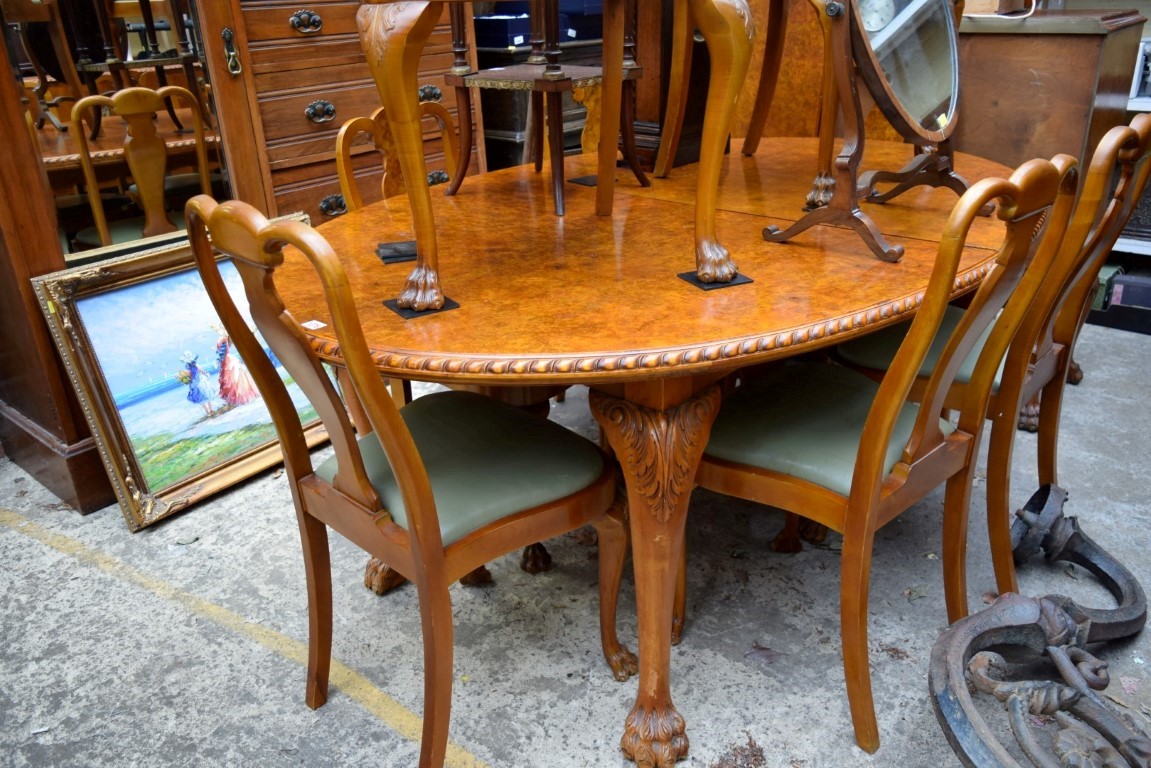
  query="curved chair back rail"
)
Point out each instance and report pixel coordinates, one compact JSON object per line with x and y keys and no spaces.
{"x":145,"y":152}
{"x":435,"y":490}
{"x":832,"y":445}
{"x":1039,"y":356}
{"x":392,"y":182}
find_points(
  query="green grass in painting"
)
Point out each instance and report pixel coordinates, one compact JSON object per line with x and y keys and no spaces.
{"x":166,"y":460}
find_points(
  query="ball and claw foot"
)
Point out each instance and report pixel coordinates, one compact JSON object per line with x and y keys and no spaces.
{"x":822,"y":189}
{"x":380,"y":578}
{"x":713,"y":264}
{"x":654,"y":738}
{"x":422,"y":290}
{"x":623,"y":663}
{"x":1074,"y":373}
{"x":535,"y":559}
{"x":797,"y":530}
{"x":1029,"y":416}
{"x":480,"y":577}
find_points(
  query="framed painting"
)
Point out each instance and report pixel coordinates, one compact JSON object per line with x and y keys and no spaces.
{"x":174,"y":412}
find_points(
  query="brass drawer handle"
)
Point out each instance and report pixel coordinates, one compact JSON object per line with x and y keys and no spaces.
{"x":430,"y":92}
{"x":306,"y":22}
{"x":333,"y":205}
{"x":320,"y":111}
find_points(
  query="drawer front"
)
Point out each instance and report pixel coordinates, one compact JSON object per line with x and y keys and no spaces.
{"x":300,"y":21}
{"x":294,"y":137}
{"x":306,"y":188}
{"x":275,"y":46}
{"x":322,"y":110}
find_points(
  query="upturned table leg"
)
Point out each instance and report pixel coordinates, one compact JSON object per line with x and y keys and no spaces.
{"x":728,"y":30}
{"x":613,"y":34}
{"x":659,"y":449}
{"x":393,"y":35}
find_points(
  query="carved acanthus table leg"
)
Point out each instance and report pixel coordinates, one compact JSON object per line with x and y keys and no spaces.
{"x":393,"y":35}
{"x":728,"y":29}
{"x":659,"y":448}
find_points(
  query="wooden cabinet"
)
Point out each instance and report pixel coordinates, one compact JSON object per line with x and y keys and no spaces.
{"x":1055,"y":82}
{"x":301,"y":75}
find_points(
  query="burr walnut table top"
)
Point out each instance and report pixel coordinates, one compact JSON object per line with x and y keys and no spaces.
{"x":585,"y":298}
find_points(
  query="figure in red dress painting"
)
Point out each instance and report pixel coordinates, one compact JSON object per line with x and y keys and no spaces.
{"x":236,"y":384}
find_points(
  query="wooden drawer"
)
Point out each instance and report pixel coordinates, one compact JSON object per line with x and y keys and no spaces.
{"x":303,"y":188}
{"x":274,"y":21}
{"x":292,"y":137}
{"x":286,"y":115}
{"x":274,"y":46}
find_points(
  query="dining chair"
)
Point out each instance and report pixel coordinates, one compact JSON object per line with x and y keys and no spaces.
{"x":1039,"y":357}
{"x":837,"y":447}
{"x":146,"y":155}
{"x":376,"y":126}
{"x":378,"y":576}
{"x":435,"y":489}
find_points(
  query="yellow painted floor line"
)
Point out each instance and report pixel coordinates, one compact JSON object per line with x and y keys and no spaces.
{"x":357,"y":687}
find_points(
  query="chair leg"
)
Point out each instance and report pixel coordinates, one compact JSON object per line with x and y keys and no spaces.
{"x":436,"y":617}
{"x":999,"y":455}
{"x":612,"y":532}
{"x":681,"y":51}
{"x":768,"y":74}
{"x":318,"y":572}
{"x":555,"y":131}
{"x":787,"y":540}
{"x":1050,"y":408}
{"x":464,"y":112}
{"x":956,"y":502}
{"x":627,"y":134}
{"x":855,"y":575}
{"x":535,"y":135}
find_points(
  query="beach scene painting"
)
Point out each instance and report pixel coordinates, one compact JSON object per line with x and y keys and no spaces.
{"x":183,"y":394}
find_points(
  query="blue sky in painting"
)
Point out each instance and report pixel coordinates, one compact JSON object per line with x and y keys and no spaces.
{"x":140,"y":332}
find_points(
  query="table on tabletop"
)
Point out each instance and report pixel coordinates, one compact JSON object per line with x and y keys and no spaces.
{"x":586,"y":299}
{"x":393,"y":32}
{"x":61,"y":155}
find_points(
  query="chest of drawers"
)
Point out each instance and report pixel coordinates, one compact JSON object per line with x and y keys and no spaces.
{"x":284,"y":79}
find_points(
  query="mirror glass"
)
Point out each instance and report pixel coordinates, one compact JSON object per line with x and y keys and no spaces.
{"x":909,"y":56}
{"x":58,"y":50}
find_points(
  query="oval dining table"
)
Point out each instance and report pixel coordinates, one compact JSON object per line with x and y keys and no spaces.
{"x":598,"y":301}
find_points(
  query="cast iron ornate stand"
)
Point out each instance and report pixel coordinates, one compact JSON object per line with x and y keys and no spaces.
{"x":1046,"y":635}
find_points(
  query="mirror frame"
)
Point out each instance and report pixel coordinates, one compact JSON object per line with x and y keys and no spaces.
{"x":868,"y":66}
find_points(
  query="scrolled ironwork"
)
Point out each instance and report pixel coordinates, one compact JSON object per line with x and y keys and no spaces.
{"x":1045,"y":635}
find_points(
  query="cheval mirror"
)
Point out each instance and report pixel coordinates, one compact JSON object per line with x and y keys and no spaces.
{"x":906,"y":54}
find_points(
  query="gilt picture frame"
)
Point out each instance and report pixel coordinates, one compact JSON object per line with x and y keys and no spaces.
{"x":174,"y":413}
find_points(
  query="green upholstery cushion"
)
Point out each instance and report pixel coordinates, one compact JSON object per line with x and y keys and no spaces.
{"x":122,"y":231}
{"x":877,"y":350}
{"x":486,"y":460}
{"x":805,"y":420}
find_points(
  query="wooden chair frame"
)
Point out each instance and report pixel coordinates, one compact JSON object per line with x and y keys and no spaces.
{"x":1038,"y":197}
{"x":349,"y":503}
{"x":145,"y":151}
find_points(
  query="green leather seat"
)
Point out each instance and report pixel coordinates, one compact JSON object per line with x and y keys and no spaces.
{"x":876,"y":350}
{"x":485,"y":460}
{"x":805,"y":420}
{"x":121,"y":231}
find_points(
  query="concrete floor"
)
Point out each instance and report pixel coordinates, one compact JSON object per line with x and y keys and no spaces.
{"x":184,"y":644}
